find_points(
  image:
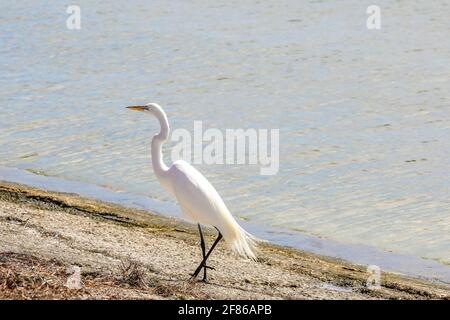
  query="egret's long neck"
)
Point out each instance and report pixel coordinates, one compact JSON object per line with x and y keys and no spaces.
{"x":158,"y":164}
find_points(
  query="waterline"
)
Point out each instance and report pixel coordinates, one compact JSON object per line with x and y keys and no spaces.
{"x":360,"y":254}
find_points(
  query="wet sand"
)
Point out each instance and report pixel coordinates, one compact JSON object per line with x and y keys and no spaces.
{"x":126,"y":253}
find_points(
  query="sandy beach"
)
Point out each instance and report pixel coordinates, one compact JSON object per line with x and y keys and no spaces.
{"x":131,"y":254}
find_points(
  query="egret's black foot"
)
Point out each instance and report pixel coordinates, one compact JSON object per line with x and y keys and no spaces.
{"x":204,"y":279}
{"x":195,"y":274}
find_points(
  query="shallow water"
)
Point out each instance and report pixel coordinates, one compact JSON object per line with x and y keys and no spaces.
{"x":364,"y":115}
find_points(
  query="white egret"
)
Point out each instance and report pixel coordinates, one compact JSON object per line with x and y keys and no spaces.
{"x":198,"y":199}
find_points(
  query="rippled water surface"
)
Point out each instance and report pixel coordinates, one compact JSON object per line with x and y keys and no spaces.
{"x":364,"y":115}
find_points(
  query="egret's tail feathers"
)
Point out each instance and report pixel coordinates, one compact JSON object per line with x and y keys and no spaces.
{"x":243,"y":243}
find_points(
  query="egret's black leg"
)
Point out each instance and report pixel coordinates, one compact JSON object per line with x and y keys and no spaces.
{"x":202,"y":245}
{"x":203,"y":263}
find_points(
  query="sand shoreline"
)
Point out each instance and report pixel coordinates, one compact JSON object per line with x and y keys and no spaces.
{"x":127,"y":253}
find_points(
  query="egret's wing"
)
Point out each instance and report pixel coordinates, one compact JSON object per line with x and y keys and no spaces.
{"x":197,"y":197}
{"x":201,"y":203}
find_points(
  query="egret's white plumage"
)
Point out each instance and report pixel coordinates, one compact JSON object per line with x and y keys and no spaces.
{"x":201,"y":203}
{"x":198,"y":199}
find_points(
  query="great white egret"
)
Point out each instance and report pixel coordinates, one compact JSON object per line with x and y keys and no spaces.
{"x":198,"y":199}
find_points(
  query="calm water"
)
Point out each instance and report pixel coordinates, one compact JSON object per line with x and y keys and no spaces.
{"x":364,"y":115}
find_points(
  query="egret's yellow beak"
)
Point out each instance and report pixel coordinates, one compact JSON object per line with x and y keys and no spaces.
{"x":138,"y":108}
